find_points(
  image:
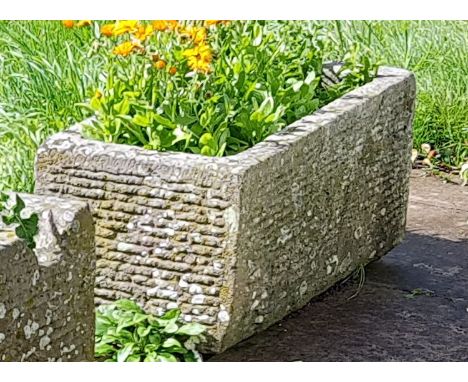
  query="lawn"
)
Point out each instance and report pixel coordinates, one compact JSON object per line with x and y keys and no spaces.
{"x":46,"y":69}
{"x":437,"y":52}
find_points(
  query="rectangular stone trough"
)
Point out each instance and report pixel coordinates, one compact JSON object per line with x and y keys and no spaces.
{"x":239,"y":242}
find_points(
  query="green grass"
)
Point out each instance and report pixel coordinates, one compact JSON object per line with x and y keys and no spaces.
{"x":437,"y":52}
{"x":45,"y":71}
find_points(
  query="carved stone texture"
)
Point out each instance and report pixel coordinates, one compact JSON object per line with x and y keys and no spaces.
{"x":238,"y":242}
{"x":46,"y":295}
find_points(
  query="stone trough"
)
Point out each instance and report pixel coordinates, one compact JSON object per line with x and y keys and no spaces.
{"x":239,"y":242}
{"x":46,"y":294}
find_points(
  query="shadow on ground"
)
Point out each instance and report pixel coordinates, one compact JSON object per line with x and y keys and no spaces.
{"x":412,"y":307}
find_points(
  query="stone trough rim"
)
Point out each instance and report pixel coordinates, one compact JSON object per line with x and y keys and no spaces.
{"x":278,"y":142}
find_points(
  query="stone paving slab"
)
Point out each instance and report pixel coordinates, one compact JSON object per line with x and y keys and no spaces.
{"x":413,"y":305}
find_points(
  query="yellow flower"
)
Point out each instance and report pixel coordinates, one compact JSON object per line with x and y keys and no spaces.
{"x":143,"y":32}
{"x":197,"y":34}
{"x":160,"y":25}
{"x":199,"y":58}
{"x":125,"y":48}
{"x":98,"y":94}
{"x":125,"y":26}
{"x":68,"y":23}
{"x":160,"y":64}
{"x":108,"y":29}
{"x":83,"y":23}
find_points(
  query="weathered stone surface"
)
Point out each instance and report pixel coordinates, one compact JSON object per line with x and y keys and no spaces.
{"x":413,"y":305}
{"x":46,"y":295}
{"x":238,"y":242}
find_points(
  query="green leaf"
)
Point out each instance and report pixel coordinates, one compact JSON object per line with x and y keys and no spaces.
{"x":164,"y":121}
{"x":19,"y":206}
{"x":180,"y":135}
{"x":131,"y":321}
{"x":297,"y":86}
{"x":141,"y":120}
{"x":191,"y":329}
{"x":185,"y":120}
{"x":310,"y":77}
{"x":258,"y":35}
{"x":122,"y":107}
{"x":8,"y":220}
{"x":170,"y":315}
{"x":151,"y":357}
{"x":206,"y":139}
{"x":151,"y":347}
{"x":133,"y":358}
{"x":95,"y":104}
{"x":102,"y":349}
{"x":123,"y":353}
{"x":124,"y":336}
{"x":264,"y":110}
{"x":171,"y":342}
{"x":143,"y":331}
{"x":154,"y":339}
{"x":166,"y":357}
{"x":190,"y":357}
{"x":171,"y":327}
{"x":128,"y":305}
{"x":3,"y":199}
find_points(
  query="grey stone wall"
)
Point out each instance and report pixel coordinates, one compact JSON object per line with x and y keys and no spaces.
{"x":46,"y":295}
{"x":239,"y":242}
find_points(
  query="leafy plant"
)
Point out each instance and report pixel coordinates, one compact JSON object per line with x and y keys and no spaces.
{"x":212,"y":88}
{"x":25,"y":228}
{"x":125,"y":333}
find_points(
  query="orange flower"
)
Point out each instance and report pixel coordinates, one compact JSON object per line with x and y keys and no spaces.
{"x":160,"y":64}
{"x":172,"y":24}
{"x":125,"y":48}
{"x":68,"y":23}
{"x":143,"y":32}
{"x":162,"y":25}
{"x":83,"y":23}
{"x":172,"y":70}
{"x":125,"y":26}
{"x":108,"y":29}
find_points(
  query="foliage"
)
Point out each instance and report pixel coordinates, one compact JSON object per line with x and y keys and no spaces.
{"x":25,"y":228}
{"x":213,"y":88}
{"x":125,"y":333}
{"x":46,"y":68}
{"x":437,"y":52}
